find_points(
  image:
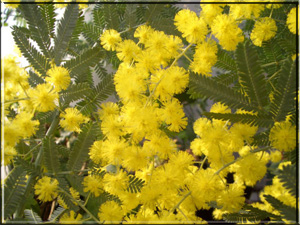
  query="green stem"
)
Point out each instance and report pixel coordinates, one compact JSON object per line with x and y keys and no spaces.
{"x":87,"y":199}
{"x":81,"y":206}
{"x":178,"y":204}
{"x":31,"y":178}
{"x":55,"y":218}
{"x":273,"y":75}
{"x":32,"y":149}
{"x":203,"y":161}
{"x":130,"y":28}
{"x":238,"y":159}
{"x":23,"y":89}
{"x":182,"y":213}
{"x":173,"y":63}
{"x":66,"y":172}
{"x":15,"y":100}
{"x":187,"y":57}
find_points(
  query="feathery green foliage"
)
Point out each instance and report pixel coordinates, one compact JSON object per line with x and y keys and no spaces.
{"x":14,"y":188}
{"x":38,"y":27}
{"x":285,"y":93}
{"x":50,"y":155}
{"x":288,"y":177}
{"x":36,"y":59}
{"x":286,"y":212}
{"x":218,"y":92}
{"x":225,"y":61}
{"x":135,"y":184}
{"x":79,"y":152}
{"x":34,"y":79}
{"x":32,"y":216}
{"x":65,"y":31}
{"x":251,"y":74}
{"x":75,"y":92}
{"x":249,"y":214}
{"x":78,"y":66}
{"x":97,"y":96}
{"x":253,"y":120}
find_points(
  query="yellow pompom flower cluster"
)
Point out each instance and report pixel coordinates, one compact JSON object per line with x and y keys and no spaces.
{"x":205,"y":57}
{"x":226,"y":29}
{"x":46,"y":189}
{"x":109,"y":39}
{"x":264,"y":29}
{"x":72,"y":118}
{"x":59,"y":77}
{"x":192,"y":27}
{"x":291,"y":20}
{"x":43,"y":97}
{"x":246,"y":11}
{"x":210,"y":11}
{"x":283,"y":136}
{"x":71,"y":218}
{"x":135,"y":137}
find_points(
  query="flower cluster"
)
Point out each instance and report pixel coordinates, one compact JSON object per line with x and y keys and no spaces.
{"x":137,"y":131}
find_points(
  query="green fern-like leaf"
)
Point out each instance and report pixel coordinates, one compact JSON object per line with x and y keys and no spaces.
{"x":22,"y":148}
{"x":32,"y":216}
{"x":65,"y":31}
{"x":27,"y":166}
{"x":50,"y":155}
{"x":253,"y":120}
{"x":77,"y":30}
{"x":76,"y":182}
{"x":292,"y":156}
{"x":130,"y":17}
{"x":287,"y":212}
{"x":96,"y":171}
{"x":218,"y":92}
{"x":37,"y":26}
{"x":261,"y":139}
{"x":98,"y":18}
{"x":227,"y":78}
{"x":288,"y":177}
{"x":91,"y":33}
{"x":75,"y":92}
{"x":135,"y":184}
{"x":251,"y":74}
{"x":285,"y":92}
{"x":14,"y":189}
{"x":225,"y":61}
{"x":288,"y":43}
{"x":97,"y":96}
{"x":273,"y":53}
{"x":79,"y":65}
{"x":111,"y":15}
{"x":48,"y":12}
{"x":100,"y":70}
{"x":63,"y":184}
{"x":36,"y":59}
{"x":250,"y":214}
{"x":57,"y":213}
{"x":34,"y":79}
{"x":80,"y":150}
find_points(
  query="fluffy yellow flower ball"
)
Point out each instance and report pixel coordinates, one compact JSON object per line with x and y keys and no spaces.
{"x":46,"y":189}
{"x":291,"y":20}
{"x":59,"y":77}
{"x":43,"y":97}
{"x":110,"y":212}
{"x":283,"y":136}
{"x":72,"y":119}
{"x":264,"y":29}
{"x":109,"y":39}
